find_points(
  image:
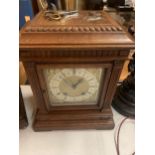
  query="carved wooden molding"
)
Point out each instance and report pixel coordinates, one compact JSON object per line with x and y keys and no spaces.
{"x":69,"y":53}
{"x":76,"y":29}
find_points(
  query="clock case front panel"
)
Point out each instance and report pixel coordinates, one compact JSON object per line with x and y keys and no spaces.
{"x":103,"y":82}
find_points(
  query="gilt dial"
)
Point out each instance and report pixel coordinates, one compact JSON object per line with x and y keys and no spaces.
{"x":73,"y":86}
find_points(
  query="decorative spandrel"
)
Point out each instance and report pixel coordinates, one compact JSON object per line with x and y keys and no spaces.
{"x":73,"y":86}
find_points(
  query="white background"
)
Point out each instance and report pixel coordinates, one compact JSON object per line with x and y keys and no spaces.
{"x":145,"y":77}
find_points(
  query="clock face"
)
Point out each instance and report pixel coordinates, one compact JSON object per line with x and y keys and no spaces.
{"x":73,"y":86}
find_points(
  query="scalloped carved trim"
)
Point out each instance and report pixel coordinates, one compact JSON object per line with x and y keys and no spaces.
{"x":76,"y":29}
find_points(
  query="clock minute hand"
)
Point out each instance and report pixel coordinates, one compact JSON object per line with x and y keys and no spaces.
{"x":77,"y":83}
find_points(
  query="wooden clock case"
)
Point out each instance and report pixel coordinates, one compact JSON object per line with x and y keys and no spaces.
{"x":74,"y":42}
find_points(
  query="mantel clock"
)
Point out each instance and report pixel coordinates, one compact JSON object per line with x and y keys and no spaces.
{"x":73,"y":66}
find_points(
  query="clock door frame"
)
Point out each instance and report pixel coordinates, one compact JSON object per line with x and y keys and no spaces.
{"x":102,"y":90}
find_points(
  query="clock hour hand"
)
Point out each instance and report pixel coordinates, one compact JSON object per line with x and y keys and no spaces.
{"x":68,"y":83}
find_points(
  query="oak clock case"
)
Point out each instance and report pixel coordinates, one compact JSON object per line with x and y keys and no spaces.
{"x":73,"y":68}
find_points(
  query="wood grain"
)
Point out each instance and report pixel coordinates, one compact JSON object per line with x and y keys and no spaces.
{"x":74,"y":42}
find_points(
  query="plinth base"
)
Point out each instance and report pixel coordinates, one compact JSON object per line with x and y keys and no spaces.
{"x":73,"y":120}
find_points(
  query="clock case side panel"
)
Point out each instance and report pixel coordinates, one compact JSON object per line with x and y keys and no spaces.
{"x":102,"y":89}
{"x":114,"y":78}
{"x":36,"y":89}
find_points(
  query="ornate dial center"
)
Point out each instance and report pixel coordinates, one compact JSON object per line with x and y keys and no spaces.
{"x":72,"y":86}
